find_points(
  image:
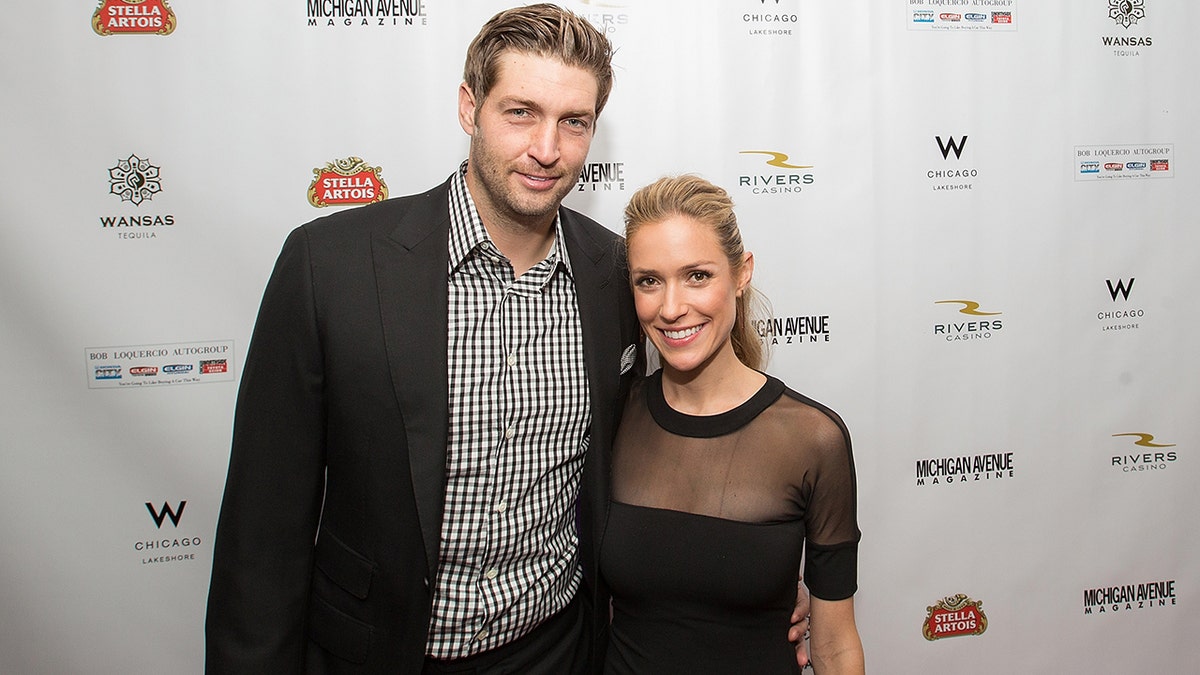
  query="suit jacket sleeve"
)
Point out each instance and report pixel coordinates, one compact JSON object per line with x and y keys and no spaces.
{"x":263,"y":551}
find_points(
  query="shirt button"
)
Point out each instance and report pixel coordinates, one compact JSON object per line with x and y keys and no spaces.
{"x":512,"y":359}
{"x":482,"y":634}
{"x":501,"y":506}
{"x":491,"y":574}
{"x":510,"y":432}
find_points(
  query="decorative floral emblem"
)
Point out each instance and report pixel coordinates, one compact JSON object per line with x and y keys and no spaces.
{"x":1126,"y":12}
{"x":134,"y":180}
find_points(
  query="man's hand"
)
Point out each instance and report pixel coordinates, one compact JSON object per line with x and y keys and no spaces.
{"x":799,"y":629}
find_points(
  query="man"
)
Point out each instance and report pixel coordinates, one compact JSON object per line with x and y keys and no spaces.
{"x":420,"y":449}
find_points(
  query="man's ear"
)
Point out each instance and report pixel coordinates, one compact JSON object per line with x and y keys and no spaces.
{"x":466,"y":109}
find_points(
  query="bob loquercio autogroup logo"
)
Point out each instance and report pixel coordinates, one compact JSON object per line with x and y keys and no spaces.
{"x":162,"y":364}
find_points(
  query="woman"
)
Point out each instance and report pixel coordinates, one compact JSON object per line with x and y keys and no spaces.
{"x":721,"y":474}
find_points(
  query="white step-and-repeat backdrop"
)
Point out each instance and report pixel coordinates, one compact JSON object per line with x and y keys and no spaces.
{"x":974,"y":220}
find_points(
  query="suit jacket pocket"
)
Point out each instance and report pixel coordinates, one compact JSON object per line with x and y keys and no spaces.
{"x":339,"y":633}
{"x":343,"y":566}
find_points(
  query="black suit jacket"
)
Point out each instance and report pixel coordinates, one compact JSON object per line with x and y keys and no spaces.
{"x":327,"y":542}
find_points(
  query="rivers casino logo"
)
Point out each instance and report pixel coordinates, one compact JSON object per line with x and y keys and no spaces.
{"x":133,"y":17}
{"x":976,"y":324}
{"x":778,"y":175}
{"x":1149,"y":455}
{"x":346,"y":181}
{"x":954,"y":616}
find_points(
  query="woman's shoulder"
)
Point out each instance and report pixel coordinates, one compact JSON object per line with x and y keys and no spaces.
{"x":821,"y":422}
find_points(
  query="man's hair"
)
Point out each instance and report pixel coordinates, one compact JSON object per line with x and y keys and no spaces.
{"x":692,"y":196}
{"x":544,"y":30}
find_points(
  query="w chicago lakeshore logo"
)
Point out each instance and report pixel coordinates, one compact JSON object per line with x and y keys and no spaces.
{"x":954,"y":176}
{"x":1120,"y":315}
{"x":167,"y":545}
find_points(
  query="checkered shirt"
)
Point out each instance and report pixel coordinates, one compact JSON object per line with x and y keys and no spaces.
{"x":519,"y":425}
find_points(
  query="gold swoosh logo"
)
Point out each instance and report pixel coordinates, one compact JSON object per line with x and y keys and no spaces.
{"x":969,"y":307}
{"x":777,"y":159}
{"x":1144,"y":440}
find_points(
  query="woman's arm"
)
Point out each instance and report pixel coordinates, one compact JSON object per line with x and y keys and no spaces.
{"x":834,"y":643}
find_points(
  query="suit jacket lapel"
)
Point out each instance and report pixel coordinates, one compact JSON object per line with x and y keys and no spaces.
{"x":594,"y":265}
{"x":410,"y":268}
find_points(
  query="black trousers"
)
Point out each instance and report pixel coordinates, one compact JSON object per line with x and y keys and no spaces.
{"x":558,"y":646}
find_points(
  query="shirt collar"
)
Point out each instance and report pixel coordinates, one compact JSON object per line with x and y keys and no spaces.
{"x":468,"y":235}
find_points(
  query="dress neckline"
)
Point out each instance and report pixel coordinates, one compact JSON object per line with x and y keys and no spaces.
{"x":708,"y":426}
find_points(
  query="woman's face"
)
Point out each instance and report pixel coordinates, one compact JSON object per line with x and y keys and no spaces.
{"x":685,"y":290}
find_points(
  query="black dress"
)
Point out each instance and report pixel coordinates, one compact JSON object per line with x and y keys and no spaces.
{"x":709,"y":518}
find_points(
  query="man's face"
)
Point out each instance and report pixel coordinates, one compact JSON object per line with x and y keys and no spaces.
{"x":529,"y":138}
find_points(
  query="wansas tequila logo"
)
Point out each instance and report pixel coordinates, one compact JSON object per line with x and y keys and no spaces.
{"x":132,"y":17}
{"x":780,"y":176}
{"x":1126,"y":13}
{"x":954,"y":616}
{"x":975,"y":324}
{"x":136,"y":181}
{"x":346,"y":181}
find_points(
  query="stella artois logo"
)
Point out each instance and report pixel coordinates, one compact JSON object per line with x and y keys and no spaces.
{"x":346,"y":181}
{"x":953,"y":616}
{"x":121,"y":17}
